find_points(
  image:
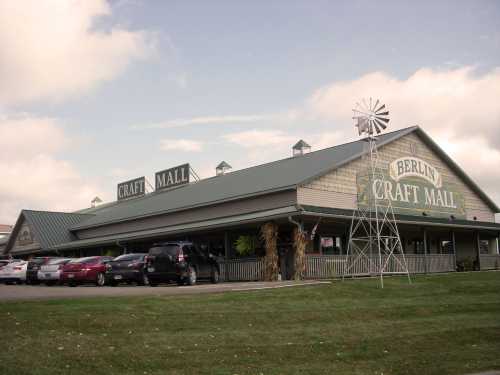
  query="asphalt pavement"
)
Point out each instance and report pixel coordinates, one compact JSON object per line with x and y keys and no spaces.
{"x":41,"y":292}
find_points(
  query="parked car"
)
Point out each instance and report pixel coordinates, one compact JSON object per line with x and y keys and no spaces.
{"x":127,"y":268}
{"x":34,"y":265}
{"x":183,"y":262}
{"x":50,"y":273}
{"x":14,"y":272}
{"x":85,"y":270}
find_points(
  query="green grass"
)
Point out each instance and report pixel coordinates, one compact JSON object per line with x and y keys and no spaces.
{"x":443,"y":324}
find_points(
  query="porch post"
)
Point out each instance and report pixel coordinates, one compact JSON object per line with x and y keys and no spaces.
{"x":426,"y":268}
{"x":227,"y":247}
{"x":478,"y":248}
{"x":453,"y":246}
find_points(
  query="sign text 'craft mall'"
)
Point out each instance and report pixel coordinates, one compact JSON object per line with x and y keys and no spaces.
{"x":131,"y":189}
{"x":413,"y":186}
{"x":172,"y":177}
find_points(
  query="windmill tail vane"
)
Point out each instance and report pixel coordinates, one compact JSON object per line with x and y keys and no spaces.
{"x":372,"y":117}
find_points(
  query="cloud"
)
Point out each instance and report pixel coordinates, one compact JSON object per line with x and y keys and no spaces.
{"x":457,"y":107}
{"x":53,"y":49}
{"x":260,"y":138}
{"x":202,"y":120}
{"x":186,"y":145}
{"x":33,"y":176}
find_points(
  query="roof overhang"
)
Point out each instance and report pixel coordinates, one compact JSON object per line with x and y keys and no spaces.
{"x":404,"y":219}
{"x":254,"y":217}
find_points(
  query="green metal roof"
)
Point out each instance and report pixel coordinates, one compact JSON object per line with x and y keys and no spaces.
{"x":275,"y":176}
{"x":48,"y":228}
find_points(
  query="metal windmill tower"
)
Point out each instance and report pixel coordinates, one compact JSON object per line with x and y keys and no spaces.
{"x":374,"y":243}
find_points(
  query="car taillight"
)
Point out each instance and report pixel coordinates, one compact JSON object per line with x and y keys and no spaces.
{"x":17,"y":268}
{"x":180,"y":256}
{"x":108,"y":267}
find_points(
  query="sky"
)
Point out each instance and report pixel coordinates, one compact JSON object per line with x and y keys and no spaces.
{"x":96,"y":92}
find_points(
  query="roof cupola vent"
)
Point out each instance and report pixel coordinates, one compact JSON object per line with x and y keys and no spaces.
{"x":95,"y":202}
{"x":301,"y":148}
{"x":222,"y":168}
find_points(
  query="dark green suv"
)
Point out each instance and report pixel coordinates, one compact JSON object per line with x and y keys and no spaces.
{"x":183,"y":262}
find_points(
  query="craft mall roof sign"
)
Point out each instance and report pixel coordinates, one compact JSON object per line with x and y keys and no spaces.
{"x":172,"y":177}
{"x":413,"y":186}
{"x":131,"y":189}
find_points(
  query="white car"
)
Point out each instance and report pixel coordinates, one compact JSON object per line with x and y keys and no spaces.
{"x":50,"y":272}
{"x":14,"y":272}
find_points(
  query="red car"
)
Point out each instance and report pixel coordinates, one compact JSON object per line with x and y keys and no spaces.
{"x":85,"y":270}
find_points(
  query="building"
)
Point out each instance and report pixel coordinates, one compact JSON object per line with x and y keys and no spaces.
{"x":4,"y":236}
{"x":445,"y":219}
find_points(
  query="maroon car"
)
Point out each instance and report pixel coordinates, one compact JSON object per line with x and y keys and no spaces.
{"x":85,"y":270}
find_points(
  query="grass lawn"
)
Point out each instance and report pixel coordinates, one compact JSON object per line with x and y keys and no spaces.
{"x":442,"y":324}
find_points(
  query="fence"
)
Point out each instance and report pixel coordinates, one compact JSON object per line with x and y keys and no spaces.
{"x":333,"y":266}
{"x":489,"y":261}
{"x":247,"y":269}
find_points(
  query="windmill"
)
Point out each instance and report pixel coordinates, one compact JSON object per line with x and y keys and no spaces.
{"x":374,"y":246}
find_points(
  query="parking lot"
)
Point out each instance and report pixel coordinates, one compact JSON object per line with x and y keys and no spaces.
{"x":35,"y":292}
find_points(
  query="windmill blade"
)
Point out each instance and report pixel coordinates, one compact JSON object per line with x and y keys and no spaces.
{"x":377,"y":128}
{"x":382,"y":113}
{"x":371,"y":108}
{"x":386,"y":120}
{"x":376,"y":104}
{"x":381,"y":124}
{"x":379,"y":109}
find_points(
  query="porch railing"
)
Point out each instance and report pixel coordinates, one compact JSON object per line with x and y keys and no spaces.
{"x":489,"y":261}
{"x":333,"y":266}
{"x":247,"y":269}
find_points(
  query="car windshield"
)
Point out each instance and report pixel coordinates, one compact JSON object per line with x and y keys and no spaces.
{"x":38,"y":260}
{"x":58,"y":261}
{"x":167,"y":249}
{"x":84,"y":260}
{"x":124,"y":257}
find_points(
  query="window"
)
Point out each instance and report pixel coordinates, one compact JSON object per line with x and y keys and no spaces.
{"x":446,"y":247}
{"x":331,"y":245}
{"x":484,"y":247}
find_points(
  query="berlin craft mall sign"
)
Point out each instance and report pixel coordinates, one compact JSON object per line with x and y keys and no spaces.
{"x":413,"y":186}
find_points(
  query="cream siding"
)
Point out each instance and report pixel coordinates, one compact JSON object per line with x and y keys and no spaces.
{"x":337,"y":189}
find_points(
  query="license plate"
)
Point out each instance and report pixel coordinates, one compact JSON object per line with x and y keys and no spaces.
{"x":118,"y":277}
{"x":151,"y":269}
{"x":47,"y":275}
{"x":70,"y":276}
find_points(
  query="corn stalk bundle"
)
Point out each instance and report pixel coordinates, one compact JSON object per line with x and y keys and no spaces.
{"x":299,"y":240}
{"x":269,"y":234}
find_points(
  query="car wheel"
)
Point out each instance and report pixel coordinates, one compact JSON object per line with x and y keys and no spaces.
{"x":191,"y":278}
{"x":101,"y":280}
{"x":180,"y":281}
{"x":113,"y":283}
{"x":214,"y":275}
{"x":144,"y":280}
{"x":73,"y":284}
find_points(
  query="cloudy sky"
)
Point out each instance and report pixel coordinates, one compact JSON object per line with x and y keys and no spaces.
{"x":94,"y":92}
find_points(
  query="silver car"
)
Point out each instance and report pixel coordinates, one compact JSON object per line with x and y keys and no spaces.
{"x":14,"y":272}
{"x":50,"y":272}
